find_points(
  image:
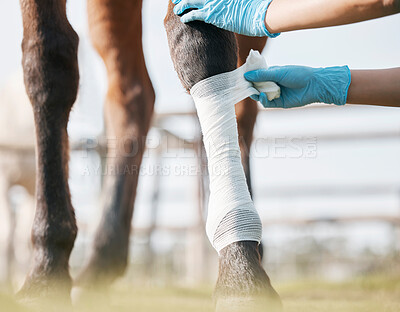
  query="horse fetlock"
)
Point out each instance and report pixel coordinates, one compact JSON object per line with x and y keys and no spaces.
{"x":102,"y":269}
{"x":54,"y":239}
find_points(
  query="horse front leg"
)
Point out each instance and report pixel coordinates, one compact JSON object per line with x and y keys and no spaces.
{"x":116,"y":32}
{"x":51,"y":78}
{"x":199,"y":51}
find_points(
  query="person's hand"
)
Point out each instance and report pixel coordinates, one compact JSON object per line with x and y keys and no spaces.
{"x":244,"y":17}
{"x":302,"y":85}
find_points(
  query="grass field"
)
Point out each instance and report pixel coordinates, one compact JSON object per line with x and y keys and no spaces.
{"x":365,"y":294}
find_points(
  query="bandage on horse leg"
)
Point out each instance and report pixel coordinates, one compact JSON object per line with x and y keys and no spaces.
{"x":200,"y":51}
{"x":232,"y":216}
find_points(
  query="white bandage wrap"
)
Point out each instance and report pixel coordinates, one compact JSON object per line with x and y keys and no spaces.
{"x":232,"y":216}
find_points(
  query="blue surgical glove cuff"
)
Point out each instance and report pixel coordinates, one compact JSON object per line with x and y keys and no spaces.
{"x":334,"y":83}
{"x":261,"y":12}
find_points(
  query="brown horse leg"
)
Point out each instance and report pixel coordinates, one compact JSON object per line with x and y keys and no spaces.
{"x":198,"y":51}
{"x":51,"y":76}
{"x":254,"y":281}
{"x":246,"y":110}
{"x":116,"y":32}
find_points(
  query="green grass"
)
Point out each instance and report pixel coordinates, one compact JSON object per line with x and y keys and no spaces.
{"x":377,"y":293}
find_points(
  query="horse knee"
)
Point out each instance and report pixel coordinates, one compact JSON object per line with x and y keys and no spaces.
{"x":199,"y":50}
{"x":50,"y":67}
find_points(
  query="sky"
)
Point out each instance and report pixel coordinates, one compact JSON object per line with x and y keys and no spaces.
{"x":338,"y":164}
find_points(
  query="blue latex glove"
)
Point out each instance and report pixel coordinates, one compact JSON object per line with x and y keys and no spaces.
{"x":244,"y":17}
{"x":302,"y":85}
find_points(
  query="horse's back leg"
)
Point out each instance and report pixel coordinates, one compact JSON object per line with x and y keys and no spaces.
{"x":246,"y":110}
{"x":116,"y":32}
{"x":51,"y":79}
{"x":198,"y":51}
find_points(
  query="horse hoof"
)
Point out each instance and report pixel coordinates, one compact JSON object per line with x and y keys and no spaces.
{"x":246,"y":304}
{"x":43,"y":293}
{"x":242,"y":284}
{"x":45,"y":300}
{"x":77,"y":295}
{"x":86,"y":299}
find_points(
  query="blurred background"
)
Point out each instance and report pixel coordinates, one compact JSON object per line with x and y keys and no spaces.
{"x":326,"y":179}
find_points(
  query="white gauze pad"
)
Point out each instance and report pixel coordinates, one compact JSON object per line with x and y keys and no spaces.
{"x":232,"y":216}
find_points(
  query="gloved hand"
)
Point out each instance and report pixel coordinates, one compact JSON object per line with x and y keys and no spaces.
{"x":246,"y":17}
{"x":302,"y":85}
